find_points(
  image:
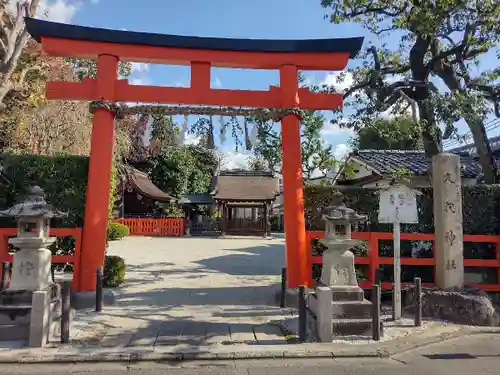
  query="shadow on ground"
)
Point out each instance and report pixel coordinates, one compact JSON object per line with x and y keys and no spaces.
{"x":263,"y":260}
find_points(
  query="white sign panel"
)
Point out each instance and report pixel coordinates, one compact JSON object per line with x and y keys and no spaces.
{"x":398,"y":204}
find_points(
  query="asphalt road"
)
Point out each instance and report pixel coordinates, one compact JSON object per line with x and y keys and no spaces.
{"x":476,"y":355}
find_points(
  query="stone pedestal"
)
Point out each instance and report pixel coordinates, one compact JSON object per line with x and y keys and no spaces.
{"x":339,"y":304}
{"x":30,"y":316}
{"x":338,"y":265}
{"x":31,"y":270}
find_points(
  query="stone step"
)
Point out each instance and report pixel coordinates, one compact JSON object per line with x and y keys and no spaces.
{"x":355,"y":294}
{"x":347,"y":327}
{"x":14,"y":332}
{"x":15,"y":315}
{"x":21,"y":314}
{"x":351,"y":309}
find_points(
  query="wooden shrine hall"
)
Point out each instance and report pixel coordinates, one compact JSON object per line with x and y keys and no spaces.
{"x":245,"y":199}
{"x":138,"y":194}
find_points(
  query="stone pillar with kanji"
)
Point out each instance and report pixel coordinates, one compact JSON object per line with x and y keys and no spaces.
{"x":448,"y":218}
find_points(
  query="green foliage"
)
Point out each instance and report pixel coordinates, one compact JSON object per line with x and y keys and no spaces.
{"x":114,"y":271}
{"x":63,"y":178}
{"x":116,"y":231}
{"x":88,"y":68}
{"x":64,"y":181}
{"x":183,"y":169}
{"x":317,"y":155}
{"x":399,"y":133}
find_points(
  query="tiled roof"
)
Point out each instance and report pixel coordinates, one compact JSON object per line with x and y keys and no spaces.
{"x":390,"y":161}
{"x":144,"y":186}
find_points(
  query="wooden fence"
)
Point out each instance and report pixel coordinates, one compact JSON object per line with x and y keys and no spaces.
{"x":76,"y":233}
{"x":154,"y":227}
{"x":373,"y":260}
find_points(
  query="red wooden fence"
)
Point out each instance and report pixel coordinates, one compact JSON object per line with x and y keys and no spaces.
{"x":76,"y":233}
{"x":373,"y":260}
{"x":154,"y":227}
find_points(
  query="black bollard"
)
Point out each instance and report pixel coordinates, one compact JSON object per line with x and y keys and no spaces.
{"x":302,"y":314}
{"x":418,"y":301}
{"x":5,"y":275}
{"x":66,"y":306}
{"x":283,"y":287}
{"x":376,"y":312}
{"x":99,"y":276}
{"x":378,"y":276}
{"x":393,"y":300}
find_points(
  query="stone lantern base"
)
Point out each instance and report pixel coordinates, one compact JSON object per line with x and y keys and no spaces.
{"x":340,"y":311}
{"x":338,"y":302}
{"x":30,"y":316}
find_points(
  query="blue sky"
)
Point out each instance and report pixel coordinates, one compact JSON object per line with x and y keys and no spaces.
{"x":298,"y":19}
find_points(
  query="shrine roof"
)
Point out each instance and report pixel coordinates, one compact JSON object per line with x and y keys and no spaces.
{"x":245,"y":186}
{"x":387,"y":162}
{"x":143,"y":185}
{"x":40,"y":28}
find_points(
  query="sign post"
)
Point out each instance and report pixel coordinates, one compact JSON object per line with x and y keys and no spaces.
{"x":398,"y":205}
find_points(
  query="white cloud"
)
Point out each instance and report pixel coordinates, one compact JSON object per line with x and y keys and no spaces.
{"x":235,"y":160}
{"x":191,"y":139}
{"x":339,"y":80}
{"x":140,"y":68}
{"x":58,"y":10}
{"x":180,"y":84}
{"x":52,"y":10}
{"x":217,"y":82}
{"x":341,"y":151}
{"x":330,"y":129}
{"x":137,"y":81}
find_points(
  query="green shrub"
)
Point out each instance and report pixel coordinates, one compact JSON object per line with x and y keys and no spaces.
{"x":114,"y":271}
{"x":117,"y":231}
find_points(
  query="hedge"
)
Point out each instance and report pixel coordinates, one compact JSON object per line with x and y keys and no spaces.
{"x":114,"y":271}
{"x":116,"y":231}
{"x":481,"y":208}
{"x":481,"y":215}
{"x":64,"y":181}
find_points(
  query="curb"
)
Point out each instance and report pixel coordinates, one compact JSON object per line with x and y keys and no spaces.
{"x":290,"y":351}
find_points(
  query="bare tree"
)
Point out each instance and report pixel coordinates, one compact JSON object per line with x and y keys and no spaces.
{"x":13,"y":39}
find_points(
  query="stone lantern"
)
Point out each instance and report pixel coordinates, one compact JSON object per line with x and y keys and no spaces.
{"x":338,"y":260}
{"x":32,"y":263}
{"x":338,"y":302}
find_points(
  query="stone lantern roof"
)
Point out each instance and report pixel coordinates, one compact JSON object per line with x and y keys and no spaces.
{"x":342,"y":213}
{"x":35,"y":206}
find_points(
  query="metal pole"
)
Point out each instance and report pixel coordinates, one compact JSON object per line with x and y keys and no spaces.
{"x":397,"y":271}
{"x":378,"y":276}
{"x":98,"y":289}
{"x":66,"y":306}
{"x":302,"y":314}
{"x":5,"y":275}
{"x":393,"y":301}
{"x":283,"y":287}
{"x":418,"y":301}
{"x":376,"y":312}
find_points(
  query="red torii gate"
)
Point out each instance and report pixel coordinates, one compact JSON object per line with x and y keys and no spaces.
{"x":108,"y":47}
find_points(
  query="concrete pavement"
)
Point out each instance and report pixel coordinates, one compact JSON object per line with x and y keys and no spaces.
{"x":199,"y":298}
{"x":478,"y":354}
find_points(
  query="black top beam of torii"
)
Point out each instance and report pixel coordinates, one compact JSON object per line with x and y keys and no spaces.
{"x":40,"y":28}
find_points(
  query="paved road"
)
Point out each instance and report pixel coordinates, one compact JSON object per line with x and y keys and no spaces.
{"x":478,"y":355}
{"x":193,"y":291}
